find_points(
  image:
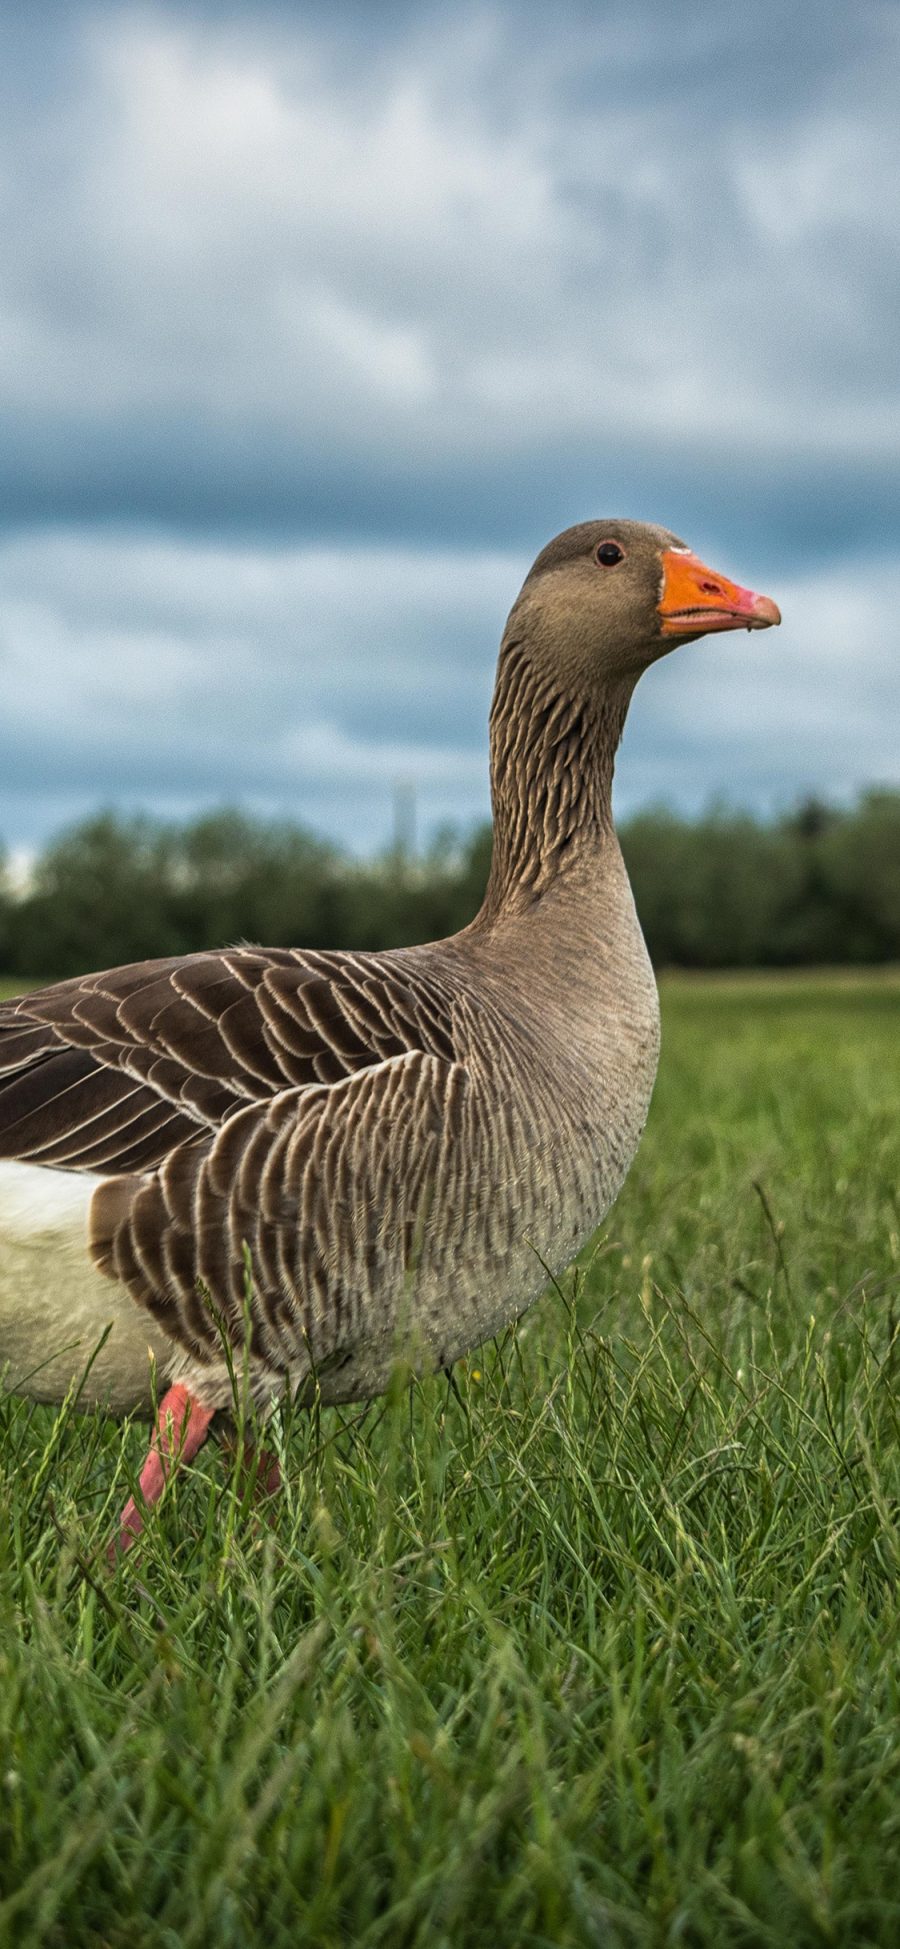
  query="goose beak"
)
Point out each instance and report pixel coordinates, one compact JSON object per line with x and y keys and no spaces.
{"x":695,"y":600}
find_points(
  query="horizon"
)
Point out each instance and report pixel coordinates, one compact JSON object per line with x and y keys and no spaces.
{"x":405,"y":841}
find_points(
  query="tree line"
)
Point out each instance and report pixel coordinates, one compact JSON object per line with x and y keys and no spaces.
{"x":820,"y":885}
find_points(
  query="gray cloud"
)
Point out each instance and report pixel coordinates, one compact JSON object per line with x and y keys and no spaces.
{"x":248,"y":284}
{"x":316,"y":322}
{"x":312,"y":680}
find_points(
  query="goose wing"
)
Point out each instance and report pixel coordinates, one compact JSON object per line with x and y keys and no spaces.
{"x":112,"y":1072}
{"x":330,"y":1189}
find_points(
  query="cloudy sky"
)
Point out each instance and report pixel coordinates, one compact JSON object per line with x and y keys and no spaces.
{"x":316,"y":321}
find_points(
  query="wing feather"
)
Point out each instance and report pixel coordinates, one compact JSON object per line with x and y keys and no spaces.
{"x":112,"y":1071}
{"x":331,"y":1190}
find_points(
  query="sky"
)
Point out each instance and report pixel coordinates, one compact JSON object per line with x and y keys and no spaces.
{"x":317,"y":321}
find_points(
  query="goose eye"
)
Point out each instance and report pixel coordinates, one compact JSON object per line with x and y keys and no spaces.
{"x":608,"y":554}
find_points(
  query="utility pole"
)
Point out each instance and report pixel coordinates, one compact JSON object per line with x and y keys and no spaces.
{"x":404,"y":842}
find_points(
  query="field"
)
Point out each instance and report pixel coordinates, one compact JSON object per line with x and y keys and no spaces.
{"x":599,"y":1647}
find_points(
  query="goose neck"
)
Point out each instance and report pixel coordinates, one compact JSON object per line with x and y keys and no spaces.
{"x":552,"y":757}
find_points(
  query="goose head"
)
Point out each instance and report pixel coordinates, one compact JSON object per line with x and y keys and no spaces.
{"x":607,"y":598}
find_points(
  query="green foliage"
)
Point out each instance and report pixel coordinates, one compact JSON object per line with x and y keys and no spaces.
{"x":116,"y":890}
{"x":820,"y":886}
{"x":5,"y":913}
{"x":599,"y":1650}
{"x":817,"y":887}
{"x":710,"y":895}
{"x":861,"y":868}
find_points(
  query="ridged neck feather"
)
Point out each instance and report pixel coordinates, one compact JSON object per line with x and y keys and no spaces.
{"x":553,"y":750}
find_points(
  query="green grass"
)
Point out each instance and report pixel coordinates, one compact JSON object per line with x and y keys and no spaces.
{"x":604,"y":1651}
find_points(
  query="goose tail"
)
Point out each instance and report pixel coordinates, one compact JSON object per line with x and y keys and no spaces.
{"x":62,"y":1322}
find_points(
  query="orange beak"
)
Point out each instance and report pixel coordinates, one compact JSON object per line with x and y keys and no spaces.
{"x":695,"y":601}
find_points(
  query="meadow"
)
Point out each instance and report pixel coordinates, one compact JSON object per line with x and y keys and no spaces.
{"x":597,"y":1645}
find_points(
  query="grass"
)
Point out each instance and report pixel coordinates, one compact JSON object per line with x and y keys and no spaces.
{"x":603,"y":1651}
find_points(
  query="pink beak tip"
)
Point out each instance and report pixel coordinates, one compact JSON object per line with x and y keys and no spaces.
{"x":765,"y":612}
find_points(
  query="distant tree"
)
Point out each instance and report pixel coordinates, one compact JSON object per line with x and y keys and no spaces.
{"x":709,"y":893}
{"x":237,"y":878}
{"x":473,"y":879}
{"x":100,"y":896}
{"x":725,"y":890}
{"x":393,"y":901}
{"x":859,"y":863}
{"x":6,"y":907}
{"x":811,"y":818}
{"x":807,"y":928}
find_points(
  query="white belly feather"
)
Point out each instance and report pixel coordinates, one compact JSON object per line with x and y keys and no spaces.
{"x":55,"y":1306}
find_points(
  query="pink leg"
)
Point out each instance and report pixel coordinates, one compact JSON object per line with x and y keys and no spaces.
{"x":182,"y":1425}
{"x":265,"y":1464}
{"x":268,"y":1476}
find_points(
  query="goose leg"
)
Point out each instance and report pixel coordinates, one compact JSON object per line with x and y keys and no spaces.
{"x":268,"y":1469}
{"x":182,"y":1425}
{"x":257,"y":1461}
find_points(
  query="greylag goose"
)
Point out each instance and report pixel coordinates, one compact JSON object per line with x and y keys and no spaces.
{"x":396,"y":1145}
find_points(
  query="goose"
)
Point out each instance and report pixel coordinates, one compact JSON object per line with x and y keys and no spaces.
{"x":388,"y":1152}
